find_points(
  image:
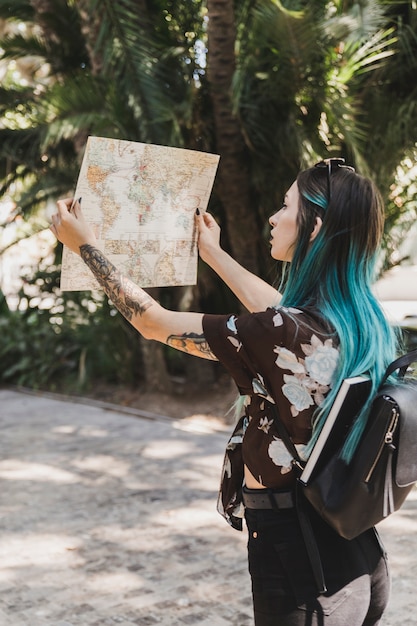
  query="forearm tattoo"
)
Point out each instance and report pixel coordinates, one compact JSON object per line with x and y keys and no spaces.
{"x":192,"y":343}
{"x":127,"y":297}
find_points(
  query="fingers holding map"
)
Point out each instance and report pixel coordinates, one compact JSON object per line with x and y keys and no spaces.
{"x":140,"y":200}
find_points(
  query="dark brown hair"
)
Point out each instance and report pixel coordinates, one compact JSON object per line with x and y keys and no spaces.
{"x":354,"y":215}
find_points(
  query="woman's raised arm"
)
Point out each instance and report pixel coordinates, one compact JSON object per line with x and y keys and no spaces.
{"x":183,"y":331}
{"x":253,"y":292}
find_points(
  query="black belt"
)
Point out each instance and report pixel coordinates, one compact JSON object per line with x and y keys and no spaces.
{"x":267,"y":499}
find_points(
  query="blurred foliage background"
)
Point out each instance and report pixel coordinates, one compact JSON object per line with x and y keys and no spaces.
{"x":272,"y":86}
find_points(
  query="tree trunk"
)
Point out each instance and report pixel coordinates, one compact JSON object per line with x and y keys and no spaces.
{"x":156,"y":373}
{"x":90,"y":26}
{"x":233,"y":175}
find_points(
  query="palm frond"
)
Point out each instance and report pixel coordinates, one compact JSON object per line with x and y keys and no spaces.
{"x":21,"y":146}
{"x":274,"y":64}
{"x":19,"y":98}
{"x":275,"y":94}
{"x":356,"y":24}
{"x":18,"y":46}
{"x":18,"y":10}
{"x":356,"y":59}
{"x":131,"y":52}
{"x":56,"y":40}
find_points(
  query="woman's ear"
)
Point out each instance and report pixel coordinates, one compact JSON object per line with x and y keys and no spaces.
{"x":316,"y":229}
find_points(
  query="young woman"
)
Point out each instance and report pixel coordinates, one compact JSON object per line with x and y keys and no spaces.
{"x":326,"y":327}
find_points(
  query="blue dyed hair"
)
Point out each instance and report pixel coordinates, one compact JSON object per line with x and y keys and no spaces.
{"x":334,"y":273}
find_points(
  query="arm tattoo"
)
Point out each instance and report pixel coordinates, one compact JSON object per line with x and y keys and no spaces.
{"x":192,"y":343}
{"x":127,"y":297}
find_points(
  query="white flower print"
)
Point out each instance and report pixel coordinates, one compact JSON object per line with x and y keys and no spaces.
{"x":259,"y":388}
{"x":279,"y":454}
{"x":297,"y":393}
{"x":265,"y":424}
{"x":321,"y":360}
{"x":237,"y":344}
{"x":287,"y":360}
{"x":278,"y":320}
{"x":319,"y":394}
{"x":231,"y":324}
{"x":312,"y":376}
{"x":227,"y":468}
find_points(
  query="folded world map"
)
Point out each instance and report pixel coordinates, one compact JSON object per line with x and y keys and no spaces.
{"x":140,"y":200}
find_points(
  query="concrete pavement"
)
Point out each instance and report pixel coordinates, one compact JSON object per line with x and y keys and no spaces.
{"x":108,"y":518}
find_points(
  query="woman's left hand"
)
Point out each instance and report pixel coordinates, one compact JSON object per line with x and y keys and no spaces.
{"x":208,"y":237}
{"x":70,"y":227}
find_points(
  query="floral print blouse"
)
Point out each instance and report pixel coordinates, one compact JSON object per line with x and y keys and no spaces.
{"x":292,"y":353}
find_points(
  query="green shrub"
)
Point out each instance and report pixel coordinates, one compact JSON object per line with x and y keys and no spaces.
{"x":67,"y":340}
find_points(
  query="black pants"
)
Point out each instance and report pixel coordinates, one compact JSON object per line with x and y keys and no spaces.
{"x":284,"y":592}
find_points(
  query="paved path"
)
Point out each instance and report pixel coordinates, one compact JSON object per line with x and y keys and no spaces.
{"x":107,"y":519}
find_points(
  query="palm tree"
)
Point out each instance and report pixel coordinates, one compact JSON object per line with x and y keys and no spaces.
{"x":326,"y":79}
{"x":322,"y":78}
{"x":283,"y":87}
{"x":233,"y":180}
{"x":109,"y":73}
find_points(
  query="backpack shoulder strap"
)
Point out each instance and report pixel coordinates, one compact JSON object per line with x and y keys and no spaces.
{"x":402,"y":363}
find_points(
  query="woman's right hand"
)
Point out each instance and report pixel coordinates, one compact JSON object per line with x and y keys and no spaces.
{"x":70,"y":226}
{"x":208,"y":236}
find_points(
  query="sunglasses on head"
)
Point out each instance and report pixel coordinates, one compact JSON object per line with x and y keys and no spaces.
{"x":331,"y":165}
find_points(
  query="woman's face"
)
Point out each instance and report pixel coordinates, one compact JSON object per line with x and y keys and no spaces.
{"x":284,"y":229}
